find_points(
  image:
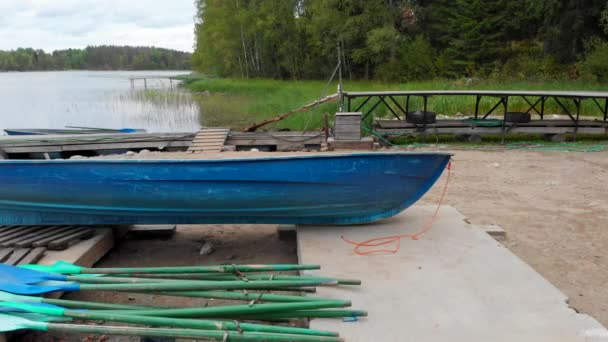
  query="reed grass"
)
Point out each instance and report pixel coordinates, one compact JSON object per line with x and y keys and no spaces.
{"x":238,"y":103}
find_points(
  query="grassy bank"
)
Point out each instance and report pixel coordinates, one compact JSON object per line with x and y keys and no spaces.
{"x":238,"y":103}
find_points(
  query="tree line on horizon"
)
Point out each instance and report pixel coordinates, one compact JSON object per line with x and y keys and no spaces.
{"x":105,"y":57}
{"x":403,"y":40}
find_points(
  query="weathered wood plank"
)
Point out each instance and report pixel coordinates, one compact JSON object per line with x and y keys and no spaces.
{"x":33,"y":256}
{"x":18,"y":231}
{"x":71,"y":239}
{"x":494,"y":130}
{"x":45,"y":241}
{"x":16,"y":256}
{"x":5,"y":253}
{"x":461,"y":123}
{"x":37,"y":238}
{"x":25,"y":236}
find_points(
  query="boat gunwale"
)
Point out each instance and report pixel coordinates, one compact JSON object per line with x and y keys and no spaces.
{"x":219,"y":160}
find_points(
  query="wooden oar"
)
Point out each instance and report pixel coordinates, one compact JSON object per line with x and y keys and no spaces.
{"x":14,"y":323}
{"x":63,"y":267}
{"x":163,"y":321}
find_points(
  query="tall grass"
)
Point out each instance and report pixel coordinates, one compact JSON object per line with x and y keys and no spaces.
{"x":238,"y":103}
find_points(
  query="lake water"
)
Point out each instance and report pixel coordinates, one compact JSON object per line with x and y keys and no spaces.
{"x":95,"y":99}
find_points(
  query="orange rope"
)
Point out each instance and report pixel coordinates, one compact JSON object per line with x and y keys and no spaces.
{"x":381,"y":241}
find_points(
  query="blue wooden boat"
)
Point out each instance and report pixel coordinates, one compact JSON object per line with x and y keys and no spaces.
{"x":316,"y":189}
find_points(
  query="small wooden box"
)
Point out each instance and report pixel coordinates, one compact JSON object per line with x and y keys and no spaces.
{"x":347,"y":126}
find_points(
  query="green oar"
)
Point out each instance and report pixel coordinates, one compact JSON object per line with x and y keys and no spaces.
{"x":198,"y":285}
{"x":8,"y":297}
{"x":211,"y":277}
{"x":63,"y":267}
{"x":253,"y":277}
{"x":309,"y":314}
{"x":245,"y":296}
{"x":164,"y":321}
{"x":235,"y":310}
{"x":13,"y":323}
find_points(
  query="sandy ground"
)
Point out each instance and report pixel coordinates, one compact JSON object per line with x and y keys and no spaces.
{"x":553,"y":206}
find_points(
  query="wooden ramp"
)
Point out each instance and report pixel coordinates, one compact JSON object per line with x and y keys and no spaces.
{"x":454,"y":284}
{"x":28,"y":244}
{"x":209,"y":140}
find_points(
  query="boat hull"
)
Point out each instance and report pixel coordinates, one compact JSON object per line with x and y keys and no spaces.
{"x":318,"y":189}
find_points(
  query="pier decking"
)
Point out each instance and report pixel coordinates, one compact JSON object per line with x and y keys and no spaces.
{"x":54,"y":146}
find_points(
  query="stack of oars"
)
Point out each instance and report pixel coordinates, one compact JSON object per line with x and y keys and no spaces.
{"x":245,"y":322}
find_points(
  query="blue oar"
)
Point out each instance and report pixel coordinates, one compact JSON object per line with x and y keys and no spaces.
{"x":19,"y":280}
{"x":13,"y":323}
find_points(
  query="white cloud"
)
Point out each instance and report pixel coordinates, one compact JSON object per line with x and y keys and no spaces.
{"x":61,"y":24}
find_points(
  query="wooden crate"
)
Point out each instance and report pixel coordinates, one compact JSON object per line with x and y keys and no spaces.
{"x":347,"y":126}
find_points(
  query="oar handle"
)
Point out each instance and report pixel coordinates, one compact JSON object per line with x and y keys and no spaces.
{"x":200,"y":285}
{"x":201,"y":269}
{"x":194,"y":323}
{"x":185,"y":333}
{"x":236,"y":310}
{"x":249,"y":296}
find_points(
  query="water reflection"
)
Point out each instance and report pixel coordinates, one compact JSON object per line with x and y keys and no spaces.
{"x":95,"y":99}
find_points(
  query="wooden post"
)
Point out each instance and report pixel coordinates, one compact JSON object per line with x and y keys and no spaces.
{"x":145,"y":83}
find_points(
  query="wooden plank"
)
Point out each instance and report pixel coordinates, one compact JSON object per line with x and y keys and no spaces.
{"x":86,"y":252}
{"x":52,"y":233}
{"x":98,"y":147}
{"x":35,"y":233}
{"x":18,"y":232}
{"x":71,"y":239}
{"x":45,"y":241}
{"x":495,"y":130}
{"x":153,"y":231}
{"x":16,"y":256}
{"x":460,"y":123}
{"x":5,"y":253}
{"x":347,"y":136}
{"x":33,"y":256}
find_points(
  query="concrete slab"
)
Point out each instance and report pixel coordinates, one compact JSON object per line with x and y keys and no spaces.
{"x":454,"y":284}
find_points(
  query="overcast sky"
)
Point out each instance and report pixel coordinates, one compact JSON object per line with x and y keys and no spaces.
{"x":62,"y":24}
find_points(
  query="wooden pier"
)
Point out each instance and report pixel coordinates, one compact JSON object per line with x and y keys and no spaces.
{"x":65,"y":146}
{"x":135,"y":80}
{"x":421,"y":121}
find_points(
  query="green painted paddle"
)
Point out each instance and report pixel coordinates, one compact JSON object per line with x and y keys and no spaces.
{"x":308,"y":314}
{"x":245,"y":296}
{"x":13,"y":323}
{"x":227,"y":277}
{"x":9,"y":297}
{"x":235,"y":310}
{"x":63,"y":267}
{"x":163,"y":321}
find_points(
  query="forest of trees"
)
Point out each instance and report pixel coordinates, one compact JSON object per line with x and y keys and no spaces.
{"x":95,"y":58}
{"x":403,"y":40}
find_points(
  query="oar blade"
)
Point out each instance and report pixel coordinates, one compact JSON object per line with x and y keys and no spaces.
{"x":40,"y":318}
{"x":14,"y":274}
{"x":12,"y":323}
{"x":25,"y":289}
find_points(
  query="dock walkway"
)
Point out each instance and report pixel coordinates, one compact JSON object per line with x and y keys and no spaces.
{"x":454,"y":284}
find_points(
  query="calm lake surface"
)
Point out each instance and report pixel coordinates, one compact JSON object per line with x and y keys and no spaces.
{"x":95,"y":99}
